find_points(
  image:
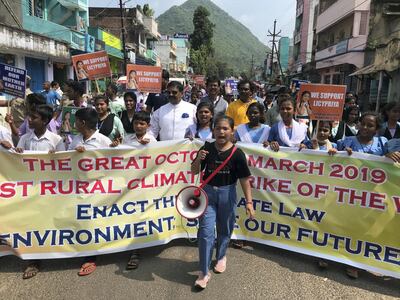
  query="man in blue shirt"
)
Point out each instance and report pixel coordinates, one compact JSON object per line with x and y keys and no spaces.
{"x":53,"y":97}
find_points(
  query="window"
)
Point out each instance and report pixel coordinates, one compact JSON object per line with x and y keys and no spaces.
{"x":363,"y":23}
{"x":36,"y":8}
{"x":337,"y":79}
{"x":327,"y":79}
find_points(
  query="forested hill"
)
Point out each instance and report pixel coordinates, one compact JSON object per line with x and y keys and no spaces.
{"x":234,"y":44}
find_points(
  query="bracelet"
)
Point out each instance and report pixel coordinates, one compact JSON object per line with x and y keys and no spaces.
{"x":249,"y":202}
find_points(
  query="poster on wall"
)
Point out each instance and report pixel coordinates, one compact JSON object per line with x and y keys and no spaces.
{"x":92,"y":65}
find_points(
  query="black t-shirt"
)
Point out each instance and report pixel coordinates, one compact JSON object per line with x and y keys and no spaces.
{"x":157,"y":100}
{"x":234,"y":169}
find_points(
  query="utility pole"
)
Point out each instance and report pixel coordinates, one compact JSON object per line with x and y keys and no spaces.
{"x":123,"y":35}
{"x":274,"y":35}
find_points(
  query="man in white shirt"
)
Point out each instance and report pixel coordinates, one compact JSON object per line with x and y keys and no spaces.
{"x":171,"y":120}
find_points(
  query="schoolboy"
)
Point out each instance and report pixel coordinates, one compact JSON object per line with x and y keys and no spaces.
{"x":40,"y":138}
{"x":141,"y":123}
{"x":88,"y":138}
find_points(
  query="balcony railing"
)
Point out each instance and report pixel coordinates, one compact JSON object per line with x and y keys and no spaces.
{"x":342,"y":47}
{"x":152,"y":55}
{"x":151,"y":26}
{"x":75,"y":4}
{"x":297,"y":37}
{"x":299,"y":9}
{"x":38,"y":25}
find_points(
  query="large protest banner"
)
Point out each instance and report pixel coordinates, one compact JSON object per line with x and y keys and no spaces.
{"x":71,"y":204}
{"x":12,"y":80}
{"x":326,"y":100}
{"x":92,"y":66}
{"x":143,"y":78}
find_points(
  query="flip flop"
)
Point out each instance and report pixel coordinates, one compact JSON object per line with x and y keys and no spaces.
{"x":133,"y":262}
{"x":352,"y":273}
{"x":220,"y":267}
{"x":31,"y":271}
{"x":87,"y":269}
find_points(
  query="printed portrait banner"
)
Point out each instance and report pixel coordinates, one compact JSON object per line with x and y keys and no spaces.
{"x":143,"y":78}
{"x":70,"y":204}
{"x":231,"y":87}
{"x":296,"y":83}
{"x":12,"y":80}
{"x":68,"y":120}
{"x":91,"y":66}
{"x":326,"y":100}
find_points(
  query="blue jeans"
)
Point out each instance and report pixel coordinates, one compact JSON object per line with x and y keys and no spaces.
{"x":221,"y":212}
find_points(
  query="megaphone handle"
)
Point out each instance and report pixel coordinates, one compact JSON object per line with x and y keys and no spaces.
{"x":203,"y":184}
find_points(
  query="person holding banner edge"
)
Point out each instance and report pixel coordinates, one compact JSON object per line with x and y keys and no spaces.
{"x":221,"y":192}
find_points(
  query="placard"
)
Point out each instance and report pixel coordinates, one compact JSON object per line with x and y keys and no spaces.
{"x":143,"y":78}
{"x":12,"y":80}
{"x":325,"y":101}
{"x":92,"y":65}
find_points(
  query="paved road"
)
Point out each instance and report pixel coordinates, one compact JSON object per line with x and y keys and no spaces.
{"x":255,"y":272}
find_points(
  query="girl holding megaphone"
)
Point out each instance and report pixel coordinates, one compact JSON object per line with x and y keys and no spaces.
{"x":221,"y":192}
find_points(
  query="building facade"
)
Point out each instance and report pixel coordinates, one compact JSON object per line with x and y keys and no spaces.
{"x":342,"y":31}
{"x":381,"y":72}
{"x":283,"y":48}
{"x":141,"y":31}
{"x":303,"y":35}
{"x":47,"y":25}
{"x":166,"y":49}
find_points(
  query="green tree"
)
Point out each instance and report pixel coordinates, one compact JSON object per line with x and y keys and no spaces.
{"x":147,"y":11}
{"x":201,"y":40}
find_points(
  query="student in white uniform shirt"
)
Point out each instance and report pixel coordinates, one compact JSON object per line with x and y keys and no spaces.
{"x":5,"y":138}
{"x":88,"y":137}
{"x":40,"y":139}
{"x":170,"y":121}
{"x":141,"y":122}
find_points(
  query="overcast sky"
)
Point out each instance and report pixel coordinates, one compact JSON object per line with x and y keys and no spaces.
{"x":257,"y":15}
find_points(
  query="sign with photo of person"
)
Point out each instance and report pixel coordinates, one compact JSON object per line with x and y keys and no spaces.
{"x":12,"y":80}
{"x":231,"y":87}
{"x":92,"y":66}
{"x":321,"y":101}
{"x":143,"y":78}
{"x":68,"y":120}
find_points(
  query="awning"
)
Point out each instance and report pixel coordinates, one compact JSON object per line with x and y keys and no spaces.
{"x":365,"y":70}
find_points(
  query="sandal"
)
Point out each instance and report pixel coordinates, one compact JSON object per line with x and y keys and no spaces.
{"x":31,"y":271}
{"x":202,"y":281}
{"x":352,"y":273}
{"x":237,"y":244}
{"x":87,"y":268}
{"x":133,"y":262}
{"x":220,"y":267}
{"x":322,"y":264}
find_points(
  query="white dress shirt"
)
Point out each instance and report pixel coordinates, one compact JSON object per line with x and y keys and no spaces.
{"x":48,"y":141}
{"x":5,"y":134}
{"x":132,"y":139}
{"x":170,"y":121}
{"x":96,"y":141}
